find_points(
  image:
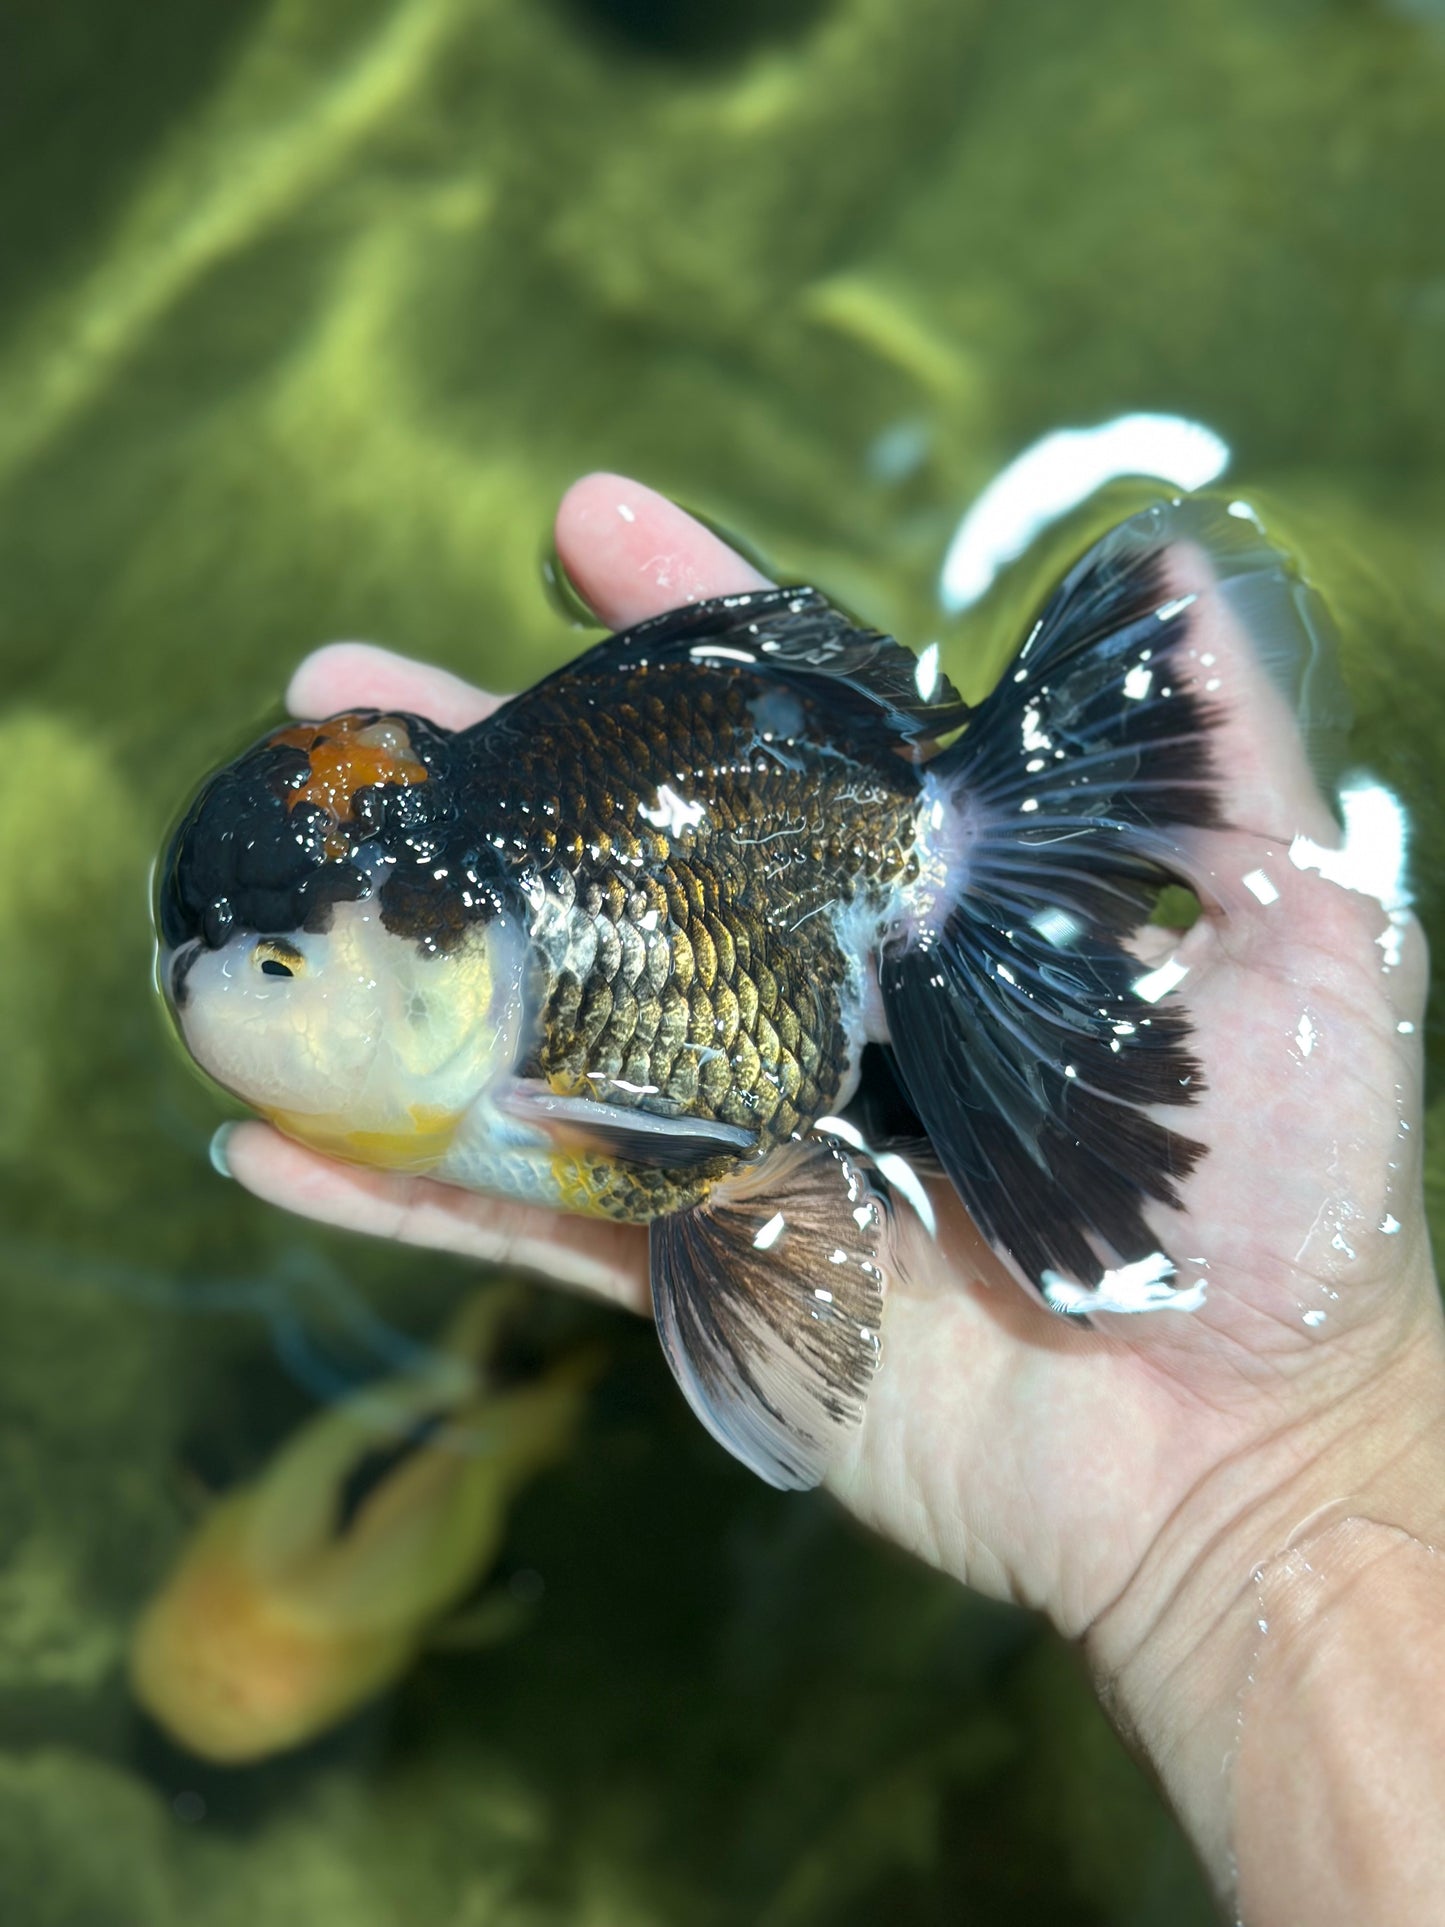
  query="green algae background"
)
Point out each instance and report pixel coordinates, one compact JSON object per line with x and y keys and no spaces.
{"x":308,"y":312}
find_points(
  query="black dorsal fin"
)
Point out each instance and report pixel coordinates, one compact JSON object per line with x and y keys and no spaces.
{"x":795,"y":636}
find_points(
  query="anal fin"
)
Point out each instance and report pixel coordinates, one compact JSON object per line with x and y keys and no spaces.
{"x":768,"y":1299}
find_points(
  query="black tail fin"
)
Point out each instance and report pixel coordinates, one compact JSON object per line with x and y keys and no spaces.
{"x":1026,"y":1034}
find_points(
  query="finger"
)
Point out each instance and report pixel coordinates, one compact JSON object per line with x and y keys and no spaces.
{"x":355,"y":675}
{"x":631,"y":553}
{"x":606,"y":1260}
{"x":1260,"y":655}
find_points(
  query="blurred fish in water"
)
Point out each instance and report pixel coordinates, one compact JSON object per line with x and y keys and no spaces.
{"x":310,"y":1590}
{"x":619,"y":948}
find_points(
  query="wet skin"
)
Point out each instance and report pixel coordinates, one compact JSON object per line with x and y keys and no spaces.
{"x":1125,"y":1480}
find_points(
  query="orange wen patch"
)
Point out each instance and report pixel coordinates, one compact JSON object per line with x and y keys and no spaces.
{"x":347,"y":754}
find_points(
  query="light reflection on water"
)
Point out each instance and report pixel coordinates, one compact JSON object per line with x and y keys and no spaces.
{"x":1058,"y":474}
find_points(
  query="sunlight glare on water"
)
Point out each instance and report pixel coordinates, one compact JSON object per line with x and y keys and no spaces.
{"x":1059,"y":472}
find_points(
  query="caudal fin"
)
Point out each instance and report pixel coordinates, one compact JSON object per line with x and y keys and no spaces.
{"x":1029,"y":1038}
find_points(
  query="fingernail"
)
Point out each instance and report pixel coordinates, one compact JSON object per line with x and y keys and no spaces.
{"x":220,"y":1138}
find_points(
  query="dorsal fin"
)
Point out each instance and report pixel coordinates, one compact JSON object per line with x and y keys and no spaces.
{"x":796,"y":637}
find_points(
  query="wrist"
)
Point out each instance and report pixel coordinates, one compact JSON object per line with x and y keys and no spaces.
{"x":1174,"y":1654}
{"x":1339,"y":1776}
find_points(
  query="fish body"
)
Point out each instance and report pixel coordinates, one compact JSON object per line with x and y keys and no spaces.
{"x":618,"y":948}
{"x":699,"y":860}
{"x":310,"y":1589}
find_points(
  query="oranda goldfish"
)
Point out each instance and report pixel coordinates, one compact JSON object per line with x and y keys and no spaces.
{"x":618,"y":949}
{"x":312,"y":1588}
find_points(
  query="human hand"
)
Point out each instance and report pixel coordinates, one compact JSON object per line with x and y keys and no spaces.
{"x":1126,"y":1480}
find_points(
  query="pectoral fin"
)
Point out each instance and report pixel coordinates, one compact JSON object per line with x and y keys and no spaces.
{"x":768,"y":1300}
{"x":638,"y":1137}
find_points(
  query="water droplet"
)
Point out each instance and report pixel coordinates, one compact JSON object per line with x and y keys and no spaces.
{"x":564,"y":595}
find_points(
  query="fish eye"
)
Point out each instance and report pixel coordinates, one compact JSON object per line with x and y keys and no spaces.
{"x":273,"y":957}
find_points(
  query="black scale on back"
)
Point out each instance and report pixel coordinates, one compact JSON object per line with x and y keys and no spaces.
{"x":711,"y":973}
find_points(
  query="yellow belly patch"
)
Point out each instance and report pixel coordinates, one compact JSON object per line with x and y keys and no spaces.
{"x":418,"y":1147}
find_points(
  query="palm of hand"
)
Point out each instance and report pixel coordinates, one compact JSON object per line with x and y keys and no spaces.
{"x":1025,"y":1454}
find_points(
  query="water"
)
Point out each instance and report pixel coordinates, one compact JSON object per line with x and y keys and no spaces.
{"x":310,"y":311}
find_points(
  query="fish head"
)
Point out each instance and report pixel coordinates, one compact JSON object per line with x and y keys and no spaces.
{"x":334,"y":951}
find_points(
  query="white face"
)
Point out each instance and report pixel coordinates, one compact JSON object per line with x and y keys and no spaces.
{"x":354,"y":1040}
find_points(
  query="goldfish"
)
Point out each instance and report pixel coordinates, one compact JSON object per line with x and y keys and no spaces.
{"x":311,"y":1589}
{"x":618,"y":950}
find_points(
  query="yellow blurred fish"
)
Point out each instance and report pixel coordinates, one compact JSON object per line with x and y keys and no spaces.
{"x":312,"y":1588}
